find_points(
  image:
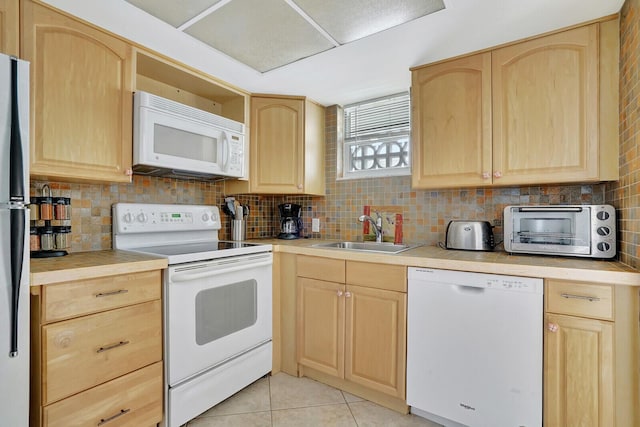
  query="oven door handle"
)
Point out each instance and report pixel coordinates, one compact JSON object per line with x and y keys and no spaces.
{"x":186,"y":276}
{"x":551,"y":209}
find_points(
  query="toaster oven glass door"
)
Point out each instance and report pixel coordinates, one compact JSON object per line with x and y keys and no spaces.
{"x":552,"y":231}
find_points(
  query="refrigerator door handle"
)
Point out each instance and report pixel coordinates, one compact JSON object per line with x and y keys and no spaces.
{"x":17,"y":220}
{"x":16,"y":169}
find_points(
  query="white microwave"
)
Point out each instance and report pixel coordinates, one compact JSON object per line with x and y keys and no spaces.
{"x":176,"y":140}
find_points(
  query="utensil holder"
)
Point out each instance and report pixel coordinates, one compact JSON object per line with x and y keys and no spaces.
{"x":238,"y":229}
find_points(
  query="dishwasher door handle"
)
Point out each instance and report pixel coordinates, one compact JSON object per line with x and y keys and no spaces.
{"x":473,"y":290}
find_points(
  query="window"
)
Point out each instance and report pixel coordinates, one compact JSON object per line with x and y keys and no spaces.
{"x":376,"y":137}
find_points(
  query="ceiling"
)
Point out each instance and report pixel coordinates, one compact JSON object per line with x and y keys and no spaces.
{"x":333,"y":51}
{"x":267,"y":34}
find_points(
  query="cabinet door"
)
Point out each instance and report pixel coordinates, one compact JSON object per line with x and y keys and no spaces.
{"x":277,"y":149}
{"x":578,"y":369}
{"x":320,"y":312}
{"x":545,"y":109}
{"x":81,"y":98}
{"x":375,"y":341}
{"x":451,"y":128}
{"x":9,"y":27}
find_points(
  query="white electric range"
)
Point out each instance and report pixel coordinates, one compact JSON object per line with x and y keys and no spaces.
{"x":217,"y":298}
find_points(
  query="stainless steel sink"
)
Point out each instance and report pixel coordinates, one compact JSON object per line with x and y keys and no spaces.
{"x":388,"y":248}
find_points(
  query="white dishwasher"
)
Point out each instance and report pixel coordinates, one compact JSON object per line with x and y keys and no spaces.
{"x":474,"y":348}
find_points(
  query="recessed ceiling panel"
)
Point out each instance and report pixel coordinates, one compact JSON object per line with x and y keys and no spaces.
{"x":347,"y":21}
{"x":264,"y":34}
{"x":173,"y":12}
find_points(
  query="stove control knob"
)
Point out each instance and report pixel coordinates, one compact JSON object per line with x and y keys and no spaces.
{"x":128,"y":218}
{"x":205,"y":217}
{"x":142,"y":217}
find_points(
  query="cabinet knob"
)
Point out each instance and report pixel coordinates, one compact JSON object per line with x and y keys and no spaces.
{"x":497,"y":174}
{"x":347,"y":294}
{"x":299,"y":186}
{"x":553,"y":327}
{"x":339,"y":293}
{"x":486,"y":175}
{"x":129,"y":173}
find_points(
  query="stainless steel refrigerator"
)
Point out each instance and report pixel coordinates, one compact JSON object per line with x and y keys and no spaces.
{"x":14,"y":255}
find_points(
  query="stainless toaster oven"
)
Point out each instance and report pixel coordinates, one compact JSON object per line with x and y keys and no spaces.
{"x":571,"y":230}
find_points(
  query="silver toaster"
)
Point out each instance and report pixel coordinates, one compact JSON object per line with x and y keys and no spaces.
{"x":469,"y":235}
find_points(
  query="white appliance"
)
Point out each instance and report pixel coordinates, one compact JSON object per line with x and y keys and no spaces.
{"x":14,"y":246}
{"x":176,"y":140}
{"x":474,"y":348}
{"x":217,"y":299}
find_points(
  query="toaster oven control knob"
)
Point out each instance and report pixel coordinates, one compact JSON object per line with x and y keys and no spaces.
{"x":142,"y":217}
{"x":603,"y":246}
{"x":602,"y":215}
{"x":128,"y":218}
{"x":603,"y":231}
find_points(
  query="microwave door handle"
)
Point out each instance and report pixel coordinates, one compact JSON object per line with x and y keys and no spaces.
{"x":225,"y":151}
{"x":551,"y":209}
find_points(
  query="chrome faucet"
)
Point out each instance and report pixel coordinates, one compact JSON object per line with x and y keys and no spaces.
{"x":377,"y":225}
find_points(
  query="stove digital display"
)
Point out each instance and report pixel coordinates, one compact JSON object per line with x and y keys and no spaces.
{"x":176,"y":215}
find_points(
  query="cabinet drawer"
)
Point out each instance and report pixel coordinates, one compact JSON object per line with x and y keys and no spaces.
{"x":81,"y":353}
{"x":132,"y":400}
{"x":580,"y":299}
{"x":91,"y":296}
{"x":380,"y":276}
{"x":327,"y":269}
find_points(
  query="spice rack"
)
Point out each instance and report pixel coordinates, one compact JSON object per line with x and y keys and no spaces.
{"x":50,"y":232}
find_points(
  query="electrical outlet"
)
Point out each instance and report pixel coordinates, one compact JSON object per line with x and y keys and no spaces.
{"x":315,"y":225}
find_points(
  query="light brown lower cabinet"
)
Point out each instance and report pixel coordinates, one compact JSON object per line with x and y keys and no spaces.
{"x":97,"y":360}
{"x":351,"y":327}
{"x":591,"y":355}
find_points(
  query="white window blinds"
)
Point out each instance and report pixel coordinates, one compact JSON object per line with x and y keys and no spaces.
{"x":376,"y":137}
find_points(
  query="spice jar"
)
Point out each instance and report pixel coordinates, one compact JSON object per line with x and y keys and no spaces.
{"x":34,"y":239}
{"x":46,"y":208}
{"x":62,"y":236}
{"x":46,"y":238}
{"x":62,"y":207}
{"x":34,"y":212}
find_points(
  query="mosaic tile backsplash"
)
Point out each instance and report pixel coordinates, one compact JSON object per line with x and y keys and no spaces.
{"x":425,"y":213}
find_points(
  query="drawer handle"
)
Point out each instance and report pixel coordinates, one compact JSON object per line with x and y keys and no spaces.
{"x":113,"y":417}
{"x":106,"y":294}
{"x":585,"y":297}
{"x":112,"y":346}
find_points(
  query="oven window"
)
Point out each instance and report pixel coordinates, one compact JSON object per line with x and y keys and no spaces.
{"x":556,"y":231}
{"x":225,"y":310}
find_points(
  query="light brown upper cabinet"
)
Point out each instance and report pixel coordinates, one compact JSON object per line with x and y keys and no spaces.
{"x":9,"y":14}
{"x":287,"y":147}
{"x":539,"y":111}
{"x":81,"y":98}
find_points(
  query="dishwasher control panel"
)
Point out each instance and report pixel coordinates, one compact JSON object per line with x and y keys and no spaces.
{"x":477,"y":280}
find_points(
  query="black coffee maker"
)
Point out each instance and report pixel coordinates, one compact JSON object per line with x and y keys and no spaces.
{"x":290,"y":221}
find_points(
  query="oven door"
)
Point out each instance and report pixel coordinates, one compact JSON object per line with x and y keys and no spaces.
{"x":215,"y":311}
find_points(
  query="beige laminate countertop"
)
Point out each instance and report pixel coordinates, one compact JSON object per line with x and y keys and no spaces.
{"x":497,"y":262}
{"x":87,"y":265}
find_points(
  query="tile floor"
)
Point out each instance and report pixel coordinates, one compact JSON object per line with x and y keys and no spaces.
{"x":282,"y":401}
